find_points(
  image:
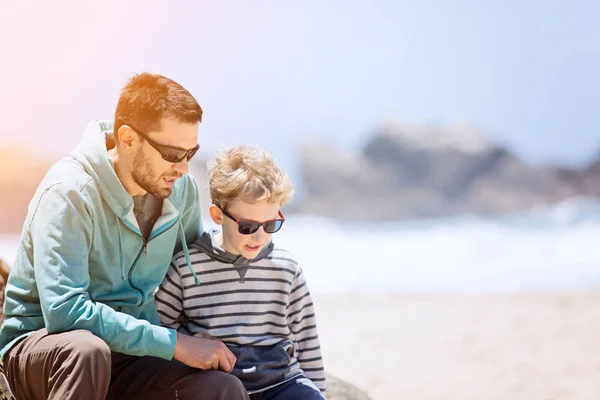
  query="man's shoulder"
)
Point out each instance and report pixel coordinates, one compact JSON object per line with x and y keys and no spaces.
{"x":66,"y":186}
{"x":67,"y":175}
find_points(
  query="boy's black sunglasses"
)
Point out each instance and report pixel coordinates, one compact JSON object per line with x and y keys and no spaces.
{"x":168,"y":153}
{"x":248,"y":227}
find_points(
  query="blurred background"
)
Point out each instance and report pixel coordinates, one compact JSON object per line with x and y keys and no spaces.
{"x":446,"y":157}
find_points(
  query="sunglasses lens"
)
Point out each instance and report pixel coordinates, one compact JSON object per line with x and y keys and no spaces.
{"x":273,"y":226}
{"x":175,"y":157}
{"x":191,"y":153}
{"x":179,"y":156}
{"x":247,"y":228}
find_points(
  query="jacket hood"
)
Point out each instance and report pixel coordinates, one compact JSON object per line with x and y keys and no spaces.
{"x":211,"y":248}
{"x":92,"y":154}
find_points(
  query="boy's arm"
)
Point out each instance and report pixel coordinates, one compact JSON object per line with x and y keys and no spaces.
{"x":61,"y":231}
{"x":169,"y":298}
{"x":196,"y":352}
{"x":302,"y":322}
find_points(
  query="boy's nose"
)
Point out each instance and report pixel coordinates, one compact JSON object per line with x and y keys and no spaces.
{"x":259,"y":234}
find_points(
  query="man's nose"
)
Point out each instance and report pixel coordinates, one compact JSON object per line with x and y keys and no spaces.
{"x":182,"y":166}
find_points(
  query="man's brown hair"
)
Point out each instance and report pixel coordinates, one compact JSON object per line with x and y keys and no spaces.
{"x":147,"y":98}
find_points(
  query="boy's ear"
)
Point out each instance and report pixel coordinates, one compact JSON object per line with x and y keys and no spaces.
{"x":216,"y":214}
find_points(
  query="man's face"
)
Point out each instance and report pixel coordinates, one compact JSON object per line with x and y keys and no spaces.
{"x":247,"y":245}
{"x":150,"y":171}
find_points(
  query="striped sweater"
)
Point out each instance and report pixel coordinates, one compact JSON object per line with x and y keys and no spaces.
{"x":260,"y":308}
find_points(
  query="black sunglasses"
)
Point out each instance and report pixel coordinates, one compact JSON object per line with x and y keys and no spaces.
{"x":248,"y":227}
{"x":168,"y":153}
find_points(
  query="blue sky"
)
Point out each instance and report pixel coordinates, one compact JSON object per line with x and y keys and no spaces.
{"x":283,"y":73}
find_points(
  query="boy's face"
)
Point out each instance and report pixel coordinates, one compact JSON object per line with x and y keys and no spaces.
{"x":246,"y":245}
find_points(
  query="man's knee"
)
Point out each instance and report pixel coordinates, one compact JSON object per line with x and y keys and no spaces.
{"x":65,"y":365}
{"x":229,"y":382}
{"x":86,"y":348}
{"x":223,"y":386}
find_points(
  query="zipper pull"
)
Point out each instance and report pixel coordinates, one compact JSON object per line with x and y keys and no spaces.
{"x":145,"y":247}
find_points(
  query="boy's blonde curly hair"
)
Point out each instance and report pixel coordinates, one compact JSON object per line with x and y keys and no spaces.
{"x":249,"y":174}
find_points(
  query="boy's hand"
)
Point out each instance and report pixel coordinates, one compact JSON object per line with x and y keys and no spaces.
{"x":203,"y":353}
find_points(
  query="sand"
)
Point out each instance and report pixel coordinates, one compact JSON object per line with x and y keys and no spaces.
{"x":517,"y":346}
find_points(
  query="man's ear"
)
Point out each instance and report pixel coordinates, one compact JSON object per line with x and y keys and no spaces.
{"x":127,"y":138}
{"x":216,"y":214}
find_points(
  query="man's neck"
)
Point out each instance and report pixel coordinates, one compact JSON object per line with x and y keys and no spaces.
{"x":124,"y":175}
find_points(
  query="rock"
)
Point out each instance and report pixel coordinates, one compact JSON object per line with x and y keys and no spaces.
{"x":4,"y":271}
{"x":5,"y":393}
{"x":423,"y":172}
{"x":340,"y":390}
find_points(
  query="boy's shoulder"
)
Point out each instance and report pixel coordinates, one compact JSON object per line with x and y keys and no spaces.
{"x":281,"y":254}
{"x":284,"y":258}
{"x":195,"y":252}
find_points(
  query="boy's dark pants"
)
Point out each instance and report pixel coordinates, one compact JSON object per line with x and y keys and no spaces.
{"x":79,"y":365}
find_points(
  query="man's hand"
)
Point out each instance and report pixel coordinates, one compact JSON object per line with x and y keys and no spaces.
{"x":203,"y":353}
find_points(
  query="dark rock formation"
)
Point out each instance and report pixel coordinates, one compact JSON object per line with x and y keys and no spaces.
{"x":408,"y":172}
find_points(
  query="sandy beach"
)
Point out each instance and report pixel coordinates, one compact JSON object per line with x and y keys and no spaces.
{"x":511,"y":346}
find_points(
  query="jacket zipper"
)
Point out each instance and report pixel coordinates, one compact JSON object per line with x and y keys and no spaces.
{"x":143,"y":251}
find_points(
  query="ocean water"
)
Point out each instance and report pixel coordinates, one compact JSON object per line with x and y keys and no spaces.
{"x":547,"y":248}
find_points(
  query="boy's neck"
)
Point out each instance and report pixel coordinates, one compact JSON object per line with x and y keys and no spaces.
{"x":221,"y":241}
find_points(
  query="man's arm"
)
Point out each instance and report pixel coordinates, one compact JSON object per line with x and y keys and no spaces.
{"x":302,"y":323}
{"x":62,"y":237}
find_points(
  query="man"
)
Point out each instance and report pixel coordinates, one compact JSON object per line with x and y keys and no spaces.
{"x":97,"y":241}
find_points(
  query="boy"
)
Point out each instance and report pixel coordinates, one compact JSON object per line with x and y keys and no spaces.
{"x":242,"y":290}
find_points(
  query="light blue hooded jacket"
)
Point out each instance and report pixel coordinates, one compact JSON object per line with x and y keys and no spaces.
{"x":82,"y":262}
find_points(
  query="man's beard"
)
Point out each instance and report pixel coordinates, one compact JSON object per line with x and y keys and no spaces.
{"x":143,"y":174}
